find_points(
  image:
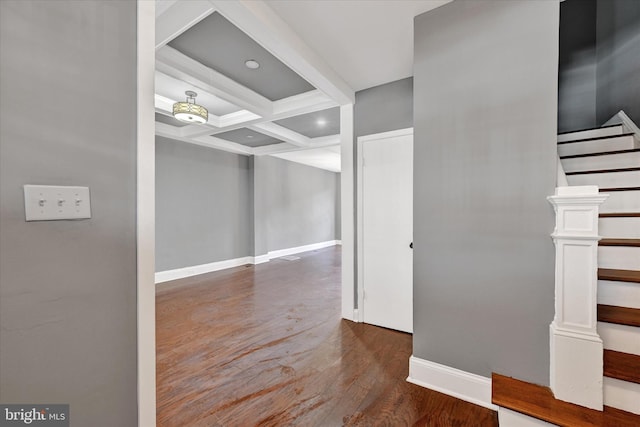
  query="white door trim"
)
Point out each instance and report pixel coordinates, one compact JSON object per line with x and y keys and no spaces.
{"x":145,"y":214}
{"x":359,"y":203}
{"x":347,"y":213}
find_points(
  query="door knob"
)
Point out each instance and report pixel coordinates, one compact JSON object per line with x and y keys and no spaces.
{"x":411,"y":245}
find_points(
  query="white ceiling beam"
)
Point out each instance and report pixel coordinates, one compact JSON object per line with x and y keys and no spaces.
{"x":296,"y":105}
{"x":228,"y":122}
{"x":239,"y":117}
{"x":262,"y":24}
{"x":325,"y":141}
{"x":304,"y":103}
{"x":320,"y":142}
{"x":163,"y":103}
{"x":177,"y":65}
{"x":164,"y":130}
{"x":274,"y":148}
{"x":178,"y":18}
{"x":282,"y":133}
{"x":222,"y":144}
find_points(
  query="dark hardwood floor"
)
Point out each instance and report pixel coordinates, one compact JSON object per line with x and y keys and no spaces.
{"x":265,"y":346}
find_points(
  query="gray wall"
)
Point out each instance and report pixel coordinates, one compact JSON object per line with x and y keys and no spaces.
{"x":299,"y":203}
{"x":68,"y":288}
{"x":214,"y":206}
{"x":384,"y":108}
{"x":618,"y":48}
{"x":485,"y":104}
{"x":203,"y":205}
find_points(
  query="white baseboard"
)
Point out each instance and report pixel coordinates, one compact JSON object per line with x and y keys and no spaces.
{"x":509,"y":418}
{"x":298,"y":249}
{"x":261,"y":259}
{"x":181,"y":273}
{"x":454,"y":382}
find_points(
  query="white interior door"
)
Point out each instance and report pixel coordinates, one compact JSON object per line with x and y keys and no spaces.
{"x":387,"y":231}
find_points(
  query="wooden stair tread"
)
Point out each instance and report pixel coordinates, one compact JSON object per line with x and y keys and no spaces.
{"x":619,"y":275}
{"x":622,"y":366}
{"x":619,"y":315}
{"x":607,"y":190}
{"x":538,"y":402}
{"x":620,"y":215}
{"x":603,"y":171}
{"x":603,"y":153}
{"x":620,"y":242}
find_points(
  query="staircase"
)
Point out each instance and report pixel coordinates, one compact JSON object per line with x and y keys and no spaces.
{"x":609,"y":157}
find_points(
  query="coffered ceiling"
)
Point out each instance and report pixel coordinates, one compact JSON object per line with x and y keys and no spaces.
{"x":289,"y":105}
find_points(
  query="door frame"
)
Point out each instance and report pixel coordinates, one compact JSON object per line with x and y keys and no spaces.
{"x":360,"y":211}
{"x":145,"y":213}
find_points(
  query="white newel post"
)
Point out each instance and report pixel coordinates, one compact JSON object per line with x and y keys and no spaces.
{"x":576,"y":347}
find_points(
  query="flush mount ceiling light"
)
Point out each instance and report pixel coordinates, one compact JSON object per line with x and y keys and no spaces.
{"x":189,"y":111}
{"x":321,"y":122}
{"x":252,"y":64}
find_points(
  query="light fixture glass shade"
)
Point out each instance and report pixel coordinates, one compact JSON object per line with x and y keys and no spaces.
{"x":189,"y":111}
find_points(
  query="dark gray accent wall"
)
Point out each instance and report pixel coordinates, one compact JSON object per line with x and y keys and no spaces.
{"x":204,"y":207}
{"x":384,"y":108}
{"x":485,"y":106}
{"x":68,"y":288}
{"x":577,"y":65}
{"x":599,"y":71}
{"x":618,"y":50}
{"x":300,"y":203}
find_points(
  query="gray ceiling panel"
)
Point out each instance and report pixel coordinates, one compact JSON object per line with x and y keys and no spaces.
{"x":218,"y":44}
{"x":247,"y":137}
{"x":314,"y":125}
{"x":169,"y":120}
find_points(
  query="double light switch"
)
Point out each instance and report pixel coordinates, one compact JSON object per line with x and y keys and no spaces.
{"x":50,"y":202}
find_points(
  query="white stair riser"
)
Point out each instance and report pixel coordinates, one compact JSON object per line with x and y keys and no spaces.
{"x":608,"y":161}
{"x":623,"y":395}
{"x":621,"y":201}
{"x":628,"y":228}
{"x":607,"y":180}
{"x":619,"y":257}
{"x":509,"y":418}
{"x":623,"y":294}
{"x":597,"y":146}
{"x":591,"y":133}
{"x":620,"y":337}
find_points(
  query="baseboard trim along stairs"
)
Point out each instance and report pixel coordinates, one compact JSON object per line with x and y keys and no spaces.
{"x":537,"y":402}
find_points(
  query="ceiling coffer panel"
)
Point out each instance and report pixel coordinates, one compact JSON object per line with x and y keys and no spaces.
{"x":218,"y":44}
{"x":247,"y":137}
{"x":316,"y":124}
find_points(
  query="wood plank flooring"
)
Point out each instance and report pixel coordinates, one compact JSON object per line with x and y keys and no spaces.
{"x":265,"y":346}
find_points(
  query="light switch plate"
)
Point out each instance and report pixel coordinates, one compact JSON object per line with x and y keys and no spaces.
{"x":51,"y":202}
